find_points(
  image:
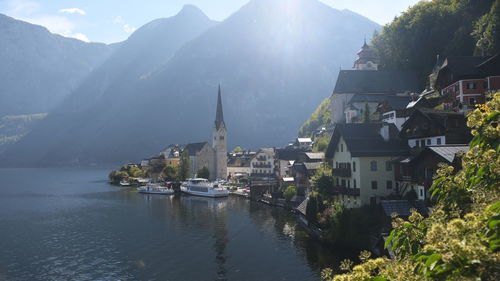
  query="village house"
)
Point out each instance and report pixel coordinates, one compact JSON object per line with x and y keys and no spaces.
{"x":426,"y":127}
{"x":263,"y":175}
{"x":362,"y":158}
{"x":464,"y":81}
{"x":416,"y":172}
{"x":359,"y":91}
{"x":238,"y":164}
{"x":304,"y":144}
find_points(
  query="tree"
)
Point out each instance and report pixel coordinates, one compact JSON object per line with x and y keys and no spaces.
{"x":169,"y":173}
{"x":290,"y":193}
{"x":366,"y":118}
{"x":184,"y":167}
{"x":204,"y":173}
{"x":460,"y":240}
{"x":487,"y":31}
{"x":237,"y":149}
{"x":429,"y":28}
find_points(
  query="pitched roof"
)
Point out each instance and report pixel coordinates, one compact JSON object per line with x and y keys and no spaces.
{"x":403,"y":207}
{"x":219,"y":115}
{"x":375,"y":81}
{"x":288,"y":154}
{"x":365,"y":140}
{"x":312,"y":165}
{"x":194,"y":148}
{"x":395,"y":102}
{"x":448,"y":152}
{"x":315,"y":155}
{"x":304,"y":140}
{"x":466,"y":67}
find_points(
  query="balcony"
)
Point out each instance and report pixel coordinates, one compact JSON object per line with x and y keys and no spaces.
{"x":261,"y":165}
{"x":262,"y":175}
{"x":341,"y":172}
{"x":406,"y":178}
{"x":342,"y":190}
{"x":261,"y":158}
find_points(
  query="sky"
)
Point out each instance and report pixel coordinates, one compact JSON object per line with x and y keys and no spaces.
{"x":110,"y":21}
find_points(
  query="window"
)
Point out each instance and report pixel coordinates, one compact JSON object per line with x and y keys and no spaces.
{"x":343,"y":183}
{"x":354,"y":166}
{"x":471,"y":85}
{"x":337,"y":165}
{"x":438,"y":140}
{"x":354,"y":183}
{"x":374,"y":185}
{"x":422,"y":143}
{"x":389,"y":184}
{"x":373,"y":165}
{"x":341,"y":147}
{"x":337,"y":181}
{"x":472,"y":101}
{"x":388,"y":166}
{"x":348,"y":183}
{"x":221,"y":137}
{"x":428,"y":141}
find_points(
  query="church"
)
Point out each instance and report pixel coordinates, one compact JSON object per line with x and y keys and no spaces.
{"x":360,"y":90}
{"x":213,"y":157}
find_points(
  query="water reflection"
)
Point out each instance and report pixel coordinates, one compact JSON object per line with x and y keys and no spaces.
{"x":79,"y":228}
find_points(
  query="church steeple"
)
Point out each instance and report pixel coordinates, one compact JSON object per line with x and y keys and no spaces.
{"x":367,"y":58}
{"x":219,"y":144}
{"x":219,"y":115}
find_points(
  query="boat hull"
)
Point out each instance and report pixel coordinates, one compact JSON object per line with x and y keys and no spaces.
{"x":210,"y":194}
{"x":156,"y":192}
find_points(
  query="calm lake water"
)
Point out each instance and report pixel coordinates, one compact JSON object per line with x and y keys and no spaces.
{"x":69,"y":224}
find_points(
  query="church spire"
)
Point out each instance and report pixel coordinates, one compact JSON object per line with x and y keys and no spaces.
{"x":219,"y":116}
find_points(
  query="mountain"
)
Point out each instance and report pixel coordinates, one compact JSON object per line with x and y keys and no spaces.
{"x":39,"y":69}
{"x":276,"y":60}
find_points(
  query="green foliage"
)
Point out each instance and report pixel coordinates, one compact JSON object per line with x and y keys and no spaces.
{"x":460,"y":240}
{"x":366,"y":114}
{"x":289,"y":193}
{"x":349,"y":228}
{"x":116,"y":176}
{"x":323,"y":181}
{"x":444,"y":27}
{"x":204,"y":173}
{"x":169,"y":173}
{"x":237,"y":149}
{"x":321,"y":143}
{"x":320,"y":118}
{"x":184,"y":167}
{"x":487,"y":30}
{"x":312,"y":208}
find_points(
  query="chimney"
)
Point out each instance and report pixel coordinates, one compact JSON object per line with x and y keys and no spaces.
{"x":384,"y":131}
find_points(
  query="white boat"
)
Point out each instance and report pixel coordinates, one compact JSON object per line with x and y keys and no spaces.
{"x":202,"y":187}
{"x":124,"y":183}
{"x":155,"y":189}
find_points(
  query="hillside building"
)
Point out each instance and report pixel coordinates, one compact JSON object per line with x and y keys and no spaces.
{"x":359,"y":91}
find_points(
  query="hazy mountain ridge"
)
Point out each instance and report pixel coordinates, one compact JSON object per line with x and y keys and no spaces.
{"x":39,"y":69}
{"x":275,"y":63}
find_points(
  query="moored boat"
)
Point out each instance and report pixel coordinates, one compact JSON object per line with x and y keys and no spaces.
{"x":155,"y":189}
{"x":124,"y":183}
{"x":203,"y":187}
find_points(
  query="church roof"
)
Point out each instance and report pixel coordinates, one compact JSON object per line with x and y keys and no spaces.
{"x":219,"y":115}
{"x":194,"y":148}
{"x":375,"y":81}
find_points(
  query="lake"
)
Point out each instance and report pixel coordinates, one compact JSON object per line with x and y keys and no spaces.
{"x":70,"y":224}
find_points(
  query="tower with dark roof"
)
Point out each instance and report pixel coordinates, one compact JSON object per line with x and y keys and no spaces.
{"x":219,"y":143}
{"x":367,"y":59}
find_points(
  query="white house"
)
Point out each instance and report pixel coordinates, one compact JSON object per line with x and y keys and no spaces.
{"x":362,"y":158}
